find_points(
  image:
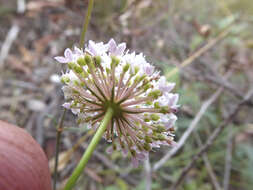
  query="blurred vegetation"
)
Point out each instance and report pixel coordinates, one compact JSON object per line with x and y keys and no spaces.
{"x":217,"y":15}
{"x":168,"y":32}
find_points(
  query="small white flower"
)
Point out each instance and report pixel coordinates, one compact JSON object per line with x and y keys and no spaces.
{"x":105,"y":75}
{"x":164,"y":86}
{"x":68,"y":57}
{"x":114,"y":49}
{"x":169,"y":99}
{"x":66,"y":105}
{"x":78,"y":51}
{"x":96,"y":48}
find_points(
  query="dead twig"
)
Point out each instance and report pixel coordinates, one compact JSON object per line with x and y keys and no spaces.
{"x":228,"y":162}
{"x":208,"y":166}
{"x":21,"y":6}
{"x":211,"y":140}
{"x":224,"y":83}
{"x":218,"y":81}
{"x":11,"y":36}
{"x":201,"y":51}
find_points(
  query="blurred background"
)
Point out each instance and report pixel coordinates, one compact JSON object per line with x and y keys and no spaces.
{"x":203,"y":46}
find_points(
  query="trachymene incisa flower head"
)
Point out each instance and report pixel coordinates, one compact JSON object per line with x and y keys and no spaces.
{"x":106,"y":75}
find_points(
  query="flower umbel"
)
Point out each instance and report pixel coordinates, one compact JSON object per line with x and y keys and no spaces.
{"x":105,"y":75}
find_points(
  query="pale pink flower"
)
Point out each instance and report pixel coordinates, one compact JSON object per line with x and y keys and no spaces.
{"x":68,"y":57}
{"x":164,"y":86}
{"x":96,"y":48}
{"x":105,"y":75}
{"x":114,"y":49}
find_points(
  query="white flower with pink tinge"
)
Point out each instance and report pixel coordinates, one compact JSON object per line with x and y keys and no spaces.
{"x":114,"y":49}
{"x":97,"y":49}
{"x":144,"y":107}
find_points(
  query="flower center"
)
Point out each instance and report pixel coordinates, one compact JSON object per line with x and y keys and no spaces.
{"x":117,"y":110}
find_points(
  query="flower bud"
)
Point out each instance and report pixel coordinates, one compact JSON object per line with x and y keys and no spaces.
{"x":81,"y":61}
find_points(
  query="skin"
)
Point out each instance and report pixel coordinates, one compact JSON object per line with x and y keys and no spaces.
{"x":23,"y":164}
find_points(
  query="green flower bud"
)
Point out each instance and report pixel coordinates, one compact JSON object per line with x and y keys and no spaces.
{"x":126,"y":67}
{"x":144,"y":128}
{"x":164,"y":109}
{"x":148,"y":139}
{"x":137,"y":79}
{"x":154,"y":117}
{"x":71,"y":65}
{"x":146,"y":119}
{"x":147,"y":146}
{"x":81,"y":61}
{"x":84,"y":75}
{"x":160,"y":129}
{"x":75,"y":91}
{"x":156,"y":105}
{"x":161,"y":137}
{"x":65,"y":79}
{"x":146,"y":86}
{"x":155,"y":94}
{"x":77,"y":69}
{"x":76,"y":83}
{"x":133,"y":152}
{"x":136,"y":70}
{"x":74,"y":103}
{"x":115,"y":61}
{"x":87,"y":59}
{"x":143,"y":77}
{"x":149,"y":103}
{"x":139,"y":135}
{"x":97,"y":60}
{"x":82,"y":83}
{"x":139,"y":147}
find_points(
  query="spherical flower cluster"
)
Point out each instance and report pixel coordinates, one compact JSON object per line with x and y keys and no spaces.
{"x":106,"y":75}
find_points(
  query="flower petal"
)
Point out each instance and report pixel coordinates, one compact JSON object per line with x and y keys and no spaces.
{"x":120,"y":49}
{"x":66,"y":105}
{"x":112,"y":45}
{"x":61,"y":59}
{"x":78,"y":51}
{"x":92,"y":47}
{"x":68,"y":54}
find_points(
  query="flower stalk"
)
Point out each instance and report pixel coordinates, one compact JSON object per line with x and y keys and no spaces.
{"x":86,"y":156}
{"x":58,"y":140}
{"x":86,"y":22}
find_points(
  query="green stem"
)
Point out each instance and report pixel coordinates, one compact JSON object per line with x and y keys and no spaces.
{"x":86,"y":156}
{"x":58,"y":140}
{"x":86,"y":23}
